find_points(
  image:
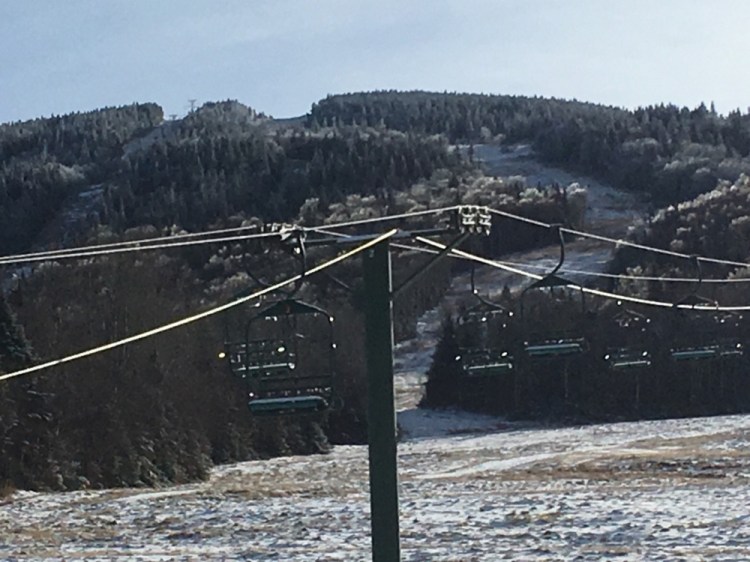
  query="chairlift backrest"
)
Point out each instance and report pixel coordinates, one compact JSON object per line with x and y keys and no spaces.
{"x":693,"y":299}
{"x":627,"y":318}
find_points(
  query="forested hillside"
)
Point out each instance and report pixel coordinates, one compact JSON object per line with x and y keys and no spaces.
{"x":166,"y":409}
{"x":669,"y":152}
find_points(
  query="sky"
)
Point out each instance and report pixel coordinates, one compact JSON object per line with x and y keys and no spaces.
{"x":281,"y":56}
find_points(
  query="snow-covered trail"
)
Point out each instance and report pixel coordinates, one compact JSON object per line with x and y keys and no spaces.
{"x":471,"y":488}
{"x":609,"y":210}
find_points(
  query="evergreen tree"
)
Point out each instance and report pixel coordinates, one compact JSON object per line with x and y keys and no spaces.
{"x":445,"y":371}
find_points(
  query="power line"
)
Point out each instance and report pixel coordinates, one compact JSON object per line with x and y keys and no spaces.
{"x":596,"y":292}
{"x":566,"y":270}
{"x":630,"y":277}
{"x":619,"y":241}
{"x":17,"y":258}
{"x":201,"y":315}
{"x":580,"y":233}
{"x":519,"y":218}
{"x":152,"y":244}
{"x":168,"y":242}
{"x":165,"y":242}
{"x":505,"y":214}
{"x":127,"y":249}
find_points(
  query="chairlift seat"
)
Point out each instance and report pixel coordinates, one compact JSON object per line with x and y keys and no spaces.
{"x":265,"y":368}
{"x":491,"y":369}
{"x":623,"y":364}
{"x":287,"y":405}
{"x":555,"y":348}
{"x":488,"y":361}
{"x":625,"y":359}
{"x":694,"y":354}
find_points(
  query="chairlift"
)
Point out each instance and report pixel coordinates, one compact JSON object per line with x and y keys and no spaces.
{"x":721,"y":341}
{"x":485,"y":355}
{"x":552,"y":358}
{"x":629,"y":385}
{"x":710,"y":335}
{"x":478,"y":363}
{"x":487,"y":352}
{"x":631,"y":332}
{"x":555,"y":347}
{"x":285,"y":371}
{"x":706,"y":353}
{"x":620,"y":359}
{"x":560,"y":343}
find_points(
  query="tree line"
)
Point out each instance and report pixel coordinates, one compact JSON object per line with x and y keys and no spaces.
{"x":670,"y":153}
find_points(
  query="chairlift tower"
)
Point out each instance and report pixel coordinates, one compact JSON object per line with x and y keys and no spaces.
{"x":381,"y":407}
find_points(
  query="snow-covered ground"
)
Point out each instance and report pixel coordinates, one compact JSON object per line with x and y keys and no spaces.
{"x":659,"y":490}
{"x":471,"y":488}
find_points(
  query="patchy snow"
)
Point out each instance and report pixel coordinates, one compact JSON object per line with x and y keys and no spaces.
{"x":657,"y":490}
{"x":420,"y":423}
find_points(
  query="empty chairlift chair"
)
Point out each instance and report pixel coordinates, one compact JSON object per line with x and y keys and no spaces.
{"x":629,"y":341}
{"x":552,"y":355}
{"x":479,"y":355}
{"x":708,"y":336}
{"x":706,"y":353}
{"x":629,"y":385}
{"x":702,"y":333}
{"x":486,"y":355}
{"x":290,"y":370}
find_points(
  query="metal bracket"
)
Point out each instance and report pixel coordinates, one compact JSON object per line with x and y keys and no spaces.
{"x":473,"y":219}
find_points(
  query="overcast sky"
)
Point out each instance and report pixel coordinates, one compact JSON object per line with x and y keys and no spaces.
{"x":280,"y":56}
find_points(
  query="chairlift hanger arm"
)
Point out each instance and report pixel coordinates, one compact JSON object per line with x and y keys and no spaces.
{"x":551,"y":279}
{"x":474,"y":291}
{"x":292,"y":240}
{"x":694,"y":298}
{"x":558,"y":229}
